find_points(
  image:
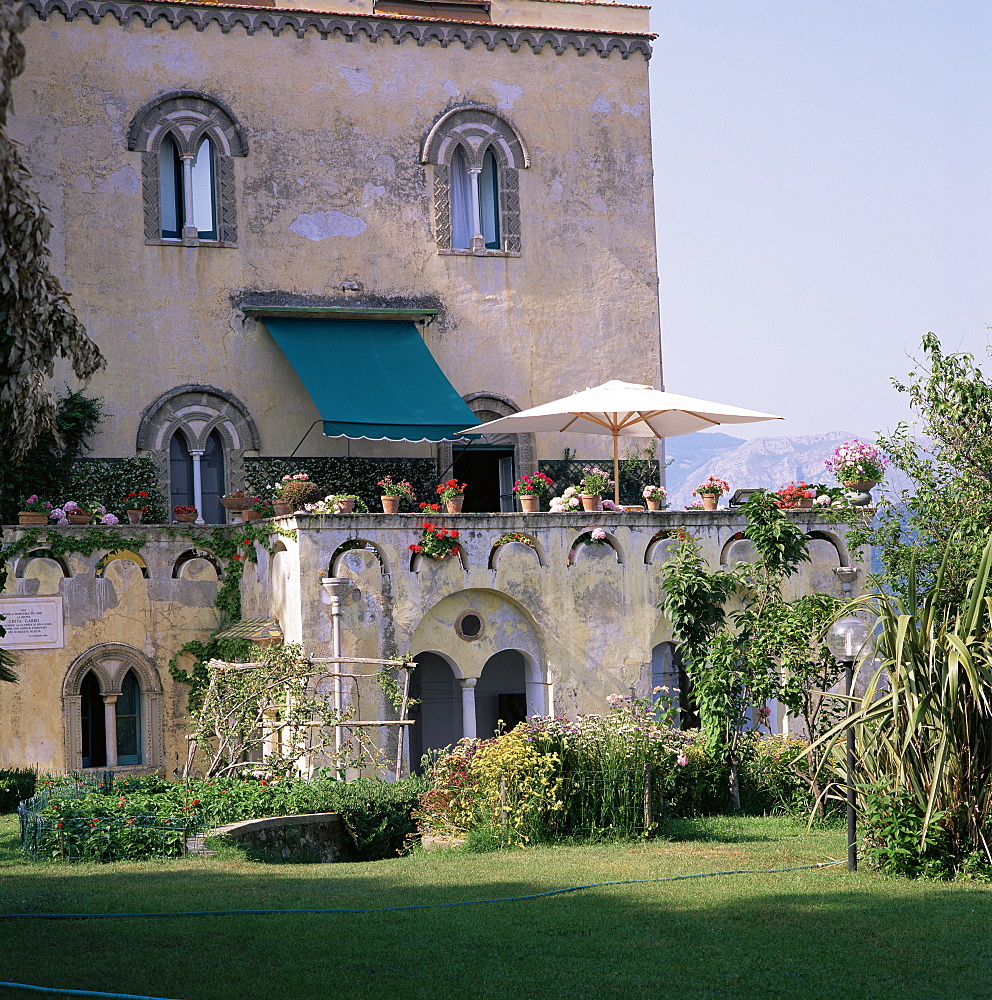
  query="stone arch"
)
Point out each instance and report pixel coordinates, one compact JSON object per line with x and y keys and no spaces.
{"x":739,"y":543}
{"x":581,"y":540}
{"x":418,"y":560}
{"x":197,"y":411}
{"x":182,"y":563}
{"x":535,"y":546}
{"x":101,"y":566}
{"x":491,"y":406}
{"x":110,"y":663}
{"x":28,"y":557}
{"x":357,"y":544}
{"x":657,"y":542}
{"x":834,"y":541}
{"x":187,"y":116}
{"x":476,"y":129}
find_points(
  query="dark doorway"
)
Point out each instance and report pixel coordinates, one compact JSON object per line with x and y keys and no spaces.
{"x":488,"y":471}
{"x":94,"y":749}
{"x":501,"y":694}
{"x":437,"y":715}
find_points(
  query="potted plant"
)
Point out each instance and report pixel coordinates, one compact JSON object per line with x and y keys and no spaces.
{"x":184,"y":514}
{"x":567,"y":502}
{"x":436,"y":542}
{"x":529,"y":490}
{"x":135,"y":506}
{"x":283,"y":504}
{"x":656,"y":497}
{"x":591,"y":486}
{"x":859,"y":467}
{"x":235,"y":502}
{"x":295,"y":494}
{"x":87,"y":512}
{"x":33,"y":511}
{"x":343,"y":503}
{"x":711,"y":491}
{"x":393,"y":492}
{"x":452,"y":494}
{"x":258,"y":508}
{"x":799,"y":494}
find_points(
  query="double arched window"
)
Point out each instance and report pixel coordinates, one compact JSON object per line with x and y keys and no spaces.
{"x":476,"y":154}
{"x":188,"y":141}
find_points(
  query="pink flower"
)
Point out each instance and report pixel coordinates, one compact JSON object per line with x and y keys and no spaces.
{"x":682,"y":760}
{"x":597,"y":535}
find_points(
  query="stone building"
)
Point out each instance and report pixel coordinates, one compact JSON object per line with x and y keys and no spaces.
{"x":386,"y":219}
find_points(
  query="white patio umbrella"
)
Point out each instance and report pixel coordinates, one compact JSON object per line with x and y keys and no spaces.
{"x":622,"y":409}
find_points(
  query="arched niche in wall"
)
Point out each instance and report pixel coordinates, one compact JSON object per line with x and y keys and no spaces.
{"x":25,"y":561}
{"x":738,"y":548}
{"x":660,"y":546}
{"x":504,"y":543}
{"x":585,"y":546}
{"x":126,"y":685}
{"x":195,"y":564}
{"x":203,"y":424}
{"x":364,"y":550}
{"x":121,"y":554}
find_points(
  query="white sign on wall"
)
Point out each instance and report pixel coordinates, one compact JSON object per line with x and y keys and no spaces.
{"x":32,"y":623}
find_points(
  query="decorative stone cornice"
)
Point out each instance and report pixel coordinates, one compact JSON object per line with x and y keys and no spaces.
{"x":421,"y":31}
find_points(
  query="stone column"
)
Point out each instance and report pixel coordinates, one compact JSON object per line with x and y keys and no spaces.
{"x":468,"y":707}
{"x":478,"y":240}
{"x":189,"y":226}
{"x":110,"y":725}
{"x":197,"y":485}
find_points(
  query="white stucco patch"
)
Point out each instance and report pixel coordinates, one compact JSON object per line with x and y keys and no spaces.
{"x":555,"y":194}
{"x":507,"y":93}
{"x":633,"y":109}
{"x":451,"y":89}
{"x":324,"y":225}
{"x":385,"y":164}
{"x":601,"y":105}
{"x":121,"y":181}
{"x":358,"y":82}
{"x":370,"y":192}
{"x":82,"y":183}
{"x":597,"y":204}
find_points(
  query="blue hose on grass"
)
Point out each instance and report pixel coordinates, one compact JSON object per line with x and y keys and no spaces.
{"x":376,"y":909}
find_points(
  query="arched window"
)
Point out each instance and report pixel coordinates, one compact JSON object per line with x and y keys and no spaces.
{"x":476,"y":155}
{"x":180,"y":471}
{"x":188,"y":141}
{"x":186,"y":465}
{"x":112,"y":700}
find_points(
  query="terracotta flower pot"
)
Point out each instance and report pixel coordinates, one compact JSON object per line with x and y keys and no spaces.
{"x":246,"y":515}
{"x":390,"y":505}
{"x":454,"y":505}
{"x":32,"y":517}
{"x":79,"y":518}
{"x":805,"y":504}
{"x":653,"y":504}
{"x":345,"y":505}
{"x":709,"y":501}
{"x":591,"y":501}
{"x":530,"y":505}
{"x":861,"y":485}
{"x":281,"y":508}
{"x":134,"y":516}
{"x":185,"y":518}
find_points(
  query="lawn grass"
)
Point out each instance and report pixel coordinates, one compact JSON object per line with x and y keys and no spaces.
{"x":806,"y":934}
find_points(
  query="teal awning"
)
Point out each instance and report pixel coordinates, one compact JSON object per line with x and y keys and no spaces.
{"x":374,"y":380}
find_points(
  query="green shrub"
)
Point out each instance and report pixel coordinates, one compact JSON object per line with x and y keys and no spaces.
{"x":299,"y":494}
{"x":16,"y":785}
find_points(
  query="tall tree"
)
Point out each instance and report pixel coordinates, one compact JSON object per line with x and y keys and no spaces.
{"x":947,"y":509}
{"x":37,"y":324}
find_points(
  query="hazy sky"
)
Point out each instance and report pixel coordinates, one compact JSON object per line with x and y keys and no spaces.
{"x":824,"y":197}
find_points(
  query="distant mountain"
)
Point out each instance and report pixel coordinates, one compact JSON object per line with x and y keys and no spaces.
{"x":770,"y":462}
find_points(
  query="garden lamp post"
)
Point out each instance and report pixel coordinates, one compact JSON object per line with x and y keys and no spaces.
{"x":845,"y":640}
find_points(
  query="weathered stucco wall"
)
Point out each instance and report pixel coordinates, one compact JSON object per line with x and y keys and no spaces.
{"x":584,"y":618}
{"x":332,"y":191}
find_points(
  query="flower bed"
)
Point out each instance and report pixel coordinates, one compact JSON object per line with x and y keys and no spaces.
{"x":151,"y":817}
{"x":618,"y":775}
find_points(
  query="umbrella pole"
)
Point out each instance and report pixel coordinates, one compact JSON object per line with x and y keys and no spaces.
{"x":616,"y":468}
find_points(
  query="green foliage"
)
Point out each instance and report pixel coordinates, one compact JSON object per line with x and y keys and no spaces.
{"x":16,"y":785}
{"x":948,"y":506}
{"x":897,"y":838}
{"x":351,"y":476}
{"x":151,"y":817}
{"x":924,"y":725}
